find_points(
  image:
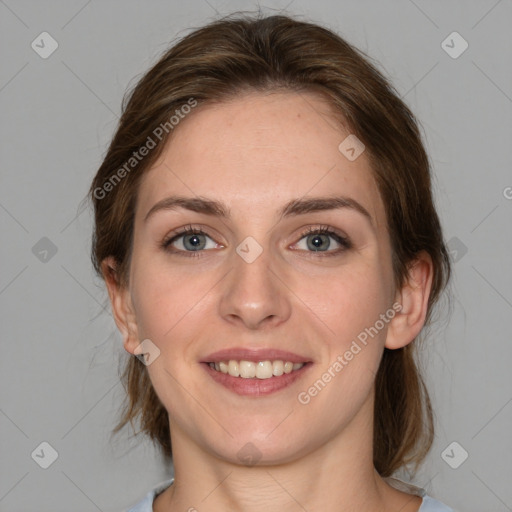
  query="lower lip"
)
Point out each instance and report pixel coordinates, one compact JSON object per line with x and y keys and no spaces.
{"x":256,"y":387}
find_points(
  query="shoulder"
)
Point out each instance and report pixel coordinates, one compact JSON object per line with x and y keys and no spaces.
{"x":428,"y":504}
{"x":146,"y":504}
{"x":431,"y":505}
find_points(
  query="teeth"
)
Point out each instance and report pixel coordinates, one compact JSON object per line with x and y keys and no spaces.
{"x":247,"y":369}
{"x":264,"y":370}
{"x":259,"y":370}
{"x":278,"y":368}
{"x":234,"y":368}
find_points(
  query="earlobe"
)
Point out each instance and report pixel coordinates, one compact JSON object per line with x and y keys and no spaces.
{"x":120,"y":301}
{"x":413,"y":297}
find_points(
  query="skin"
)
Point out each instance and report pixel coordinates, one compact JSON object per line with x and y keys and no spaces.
{"x":272,"y":148}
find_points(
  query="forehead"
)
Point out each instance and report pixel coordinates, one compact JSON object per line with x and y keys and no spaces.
{"x":258,"y":151}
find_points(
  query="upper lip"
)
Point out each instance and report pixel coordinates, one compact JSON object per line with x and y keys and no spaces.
{"x":255,"y":355}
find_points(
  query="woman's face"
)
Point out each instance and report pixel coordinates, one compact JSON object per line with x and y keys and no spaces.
{"x":261,"y":281}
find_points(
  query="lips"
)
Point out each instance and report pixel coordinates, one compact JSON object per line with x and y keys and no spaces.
{"x":254,"y":355}
{"x":255,"y":372}
{"x":260,"y":370}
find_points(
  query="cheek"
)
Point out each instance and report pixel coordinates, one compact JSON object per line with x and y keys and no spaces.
{"x":351,"y":309}
{"x":349,"y":303}
{"x":347,"y":300}
{"x":161,"y":297}
{"x":173,"y":309}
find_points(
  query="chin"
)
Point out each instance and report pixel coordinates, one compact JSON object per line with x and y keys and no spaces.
{"x":259,"y":448}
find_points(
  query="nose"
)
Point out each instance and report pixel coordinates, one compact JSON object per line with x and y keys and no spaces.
{"x":254,"y":294}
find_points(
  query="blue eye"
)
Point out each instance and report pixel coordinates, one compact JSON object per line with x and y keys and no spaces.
{"x":191,"y":242}
{"x":318,"y":241}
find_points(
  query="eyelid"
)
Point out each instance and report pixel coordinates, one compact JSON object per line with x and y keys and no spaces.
{"x":178,"y":233}
{"x":340,"y":238}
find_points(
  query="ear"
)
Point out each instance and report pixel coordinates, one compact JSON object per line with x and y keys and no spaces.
{"x":122,"y":307}
{"x":413,"y":298}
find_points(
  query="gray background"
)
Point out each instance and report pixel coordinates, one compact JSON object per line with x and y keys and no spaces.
{"x":60,"y":347}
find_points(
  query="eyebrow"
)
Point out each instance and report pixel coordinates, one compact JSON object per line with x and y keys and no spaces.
{"x":292,"y":208}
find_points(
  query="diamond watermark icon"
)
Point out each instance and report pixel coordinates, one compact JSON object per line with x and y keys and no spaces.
{"x":351,"y":147}
{"x":249,"y":249}
{"x":456,"y":248}
{"x":45,"y":455}
{"x":44,"y":45}
{"x":454,"y":455}
{"x":454,"y":45}
{"x":147,"y":352}
{"x":249,"y":454}
{"x":44,"y":250}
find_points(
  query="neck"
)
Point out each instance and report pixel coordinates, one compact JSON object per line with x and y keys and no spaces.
{"x":336,"y":476}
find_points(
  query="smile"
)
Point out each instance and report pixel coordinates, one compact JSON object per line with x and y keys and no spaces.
{"x":256,"y":379}
{"x":258,"y":370}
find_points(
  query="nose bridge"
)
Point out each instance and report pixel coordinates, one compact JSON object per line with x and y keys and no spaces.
{"x":252,"y":292}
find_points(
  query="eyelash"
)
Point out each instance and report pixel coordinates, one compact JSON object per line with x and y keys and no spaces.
{"x":322,"y":230}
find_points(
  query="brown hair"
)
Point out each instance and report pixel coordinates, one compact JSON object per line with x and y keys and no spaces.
{"x":258,"y":53}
